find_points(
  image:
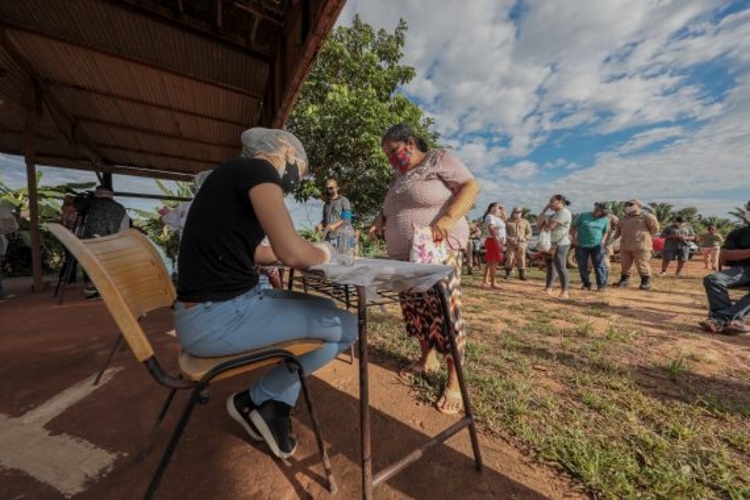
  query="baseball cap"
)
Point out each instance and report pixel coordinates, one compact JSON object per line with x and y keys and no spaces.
{"x":601,"y":207}
{"x":516,"y":210}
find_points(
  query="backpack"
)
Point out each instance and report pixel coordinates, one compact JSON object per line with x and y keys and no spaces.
{"x":8,"y":222}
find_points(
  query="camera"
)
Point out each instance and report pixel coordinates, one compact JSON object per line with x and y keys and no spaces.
{"x":81,"y":201}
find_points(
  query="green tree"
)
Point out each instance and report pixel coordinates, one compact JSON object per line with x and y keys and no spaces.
{"x":662,"y":212}
{"x":689,"y":215}
{"x":738,"y":214}
{"x":349,"y":100}
{"x":49,"y":198}
{"x":616,"y":207}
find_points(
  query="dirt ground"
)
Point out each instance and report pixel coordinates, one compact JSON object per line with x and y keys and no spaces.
{"x":47,"y":349}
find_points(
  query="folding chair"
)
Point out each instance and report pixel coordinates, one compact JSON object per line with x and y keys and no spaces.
{"x":133,"y":281}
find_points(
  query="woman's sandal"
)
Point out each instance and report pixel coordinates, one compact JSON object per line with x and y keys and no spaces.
{"x":416,"y":370}
{"x":450,"y":402}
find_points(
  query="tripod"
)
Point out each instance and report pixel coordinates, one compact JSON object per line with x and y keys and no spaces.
{"x":70,"y":265}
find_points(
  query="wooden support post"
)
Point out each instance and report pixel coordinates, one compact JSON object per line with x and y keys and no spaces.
{"x":31,"y":98}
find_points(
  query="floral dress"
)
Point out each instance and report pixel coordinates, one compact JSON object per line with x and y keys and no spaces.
{"x":418,"y":198}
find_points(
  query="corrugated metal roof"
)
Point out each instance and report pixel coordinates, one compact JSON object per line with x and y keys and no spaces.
{"x":143,"y":84}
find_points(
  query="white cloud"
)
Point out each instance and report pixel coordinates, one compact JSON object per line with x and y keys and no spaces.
{"x":572,"y":69}
{"x":649,"y":137}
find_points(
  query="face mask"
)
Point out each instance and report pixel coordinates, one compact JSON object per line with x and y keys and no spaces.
{"x":331,"y":191}
{"x":631,"y":209}
{"x":400,"y":160}
{"x":290,"y":179}
{"x":515,"y":216}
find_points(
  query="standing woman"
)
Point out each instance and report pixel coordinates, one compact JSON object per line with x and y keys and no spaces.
{"x":493,"y":245}
{"x":558,"y":224}
{"x":428,"y":188}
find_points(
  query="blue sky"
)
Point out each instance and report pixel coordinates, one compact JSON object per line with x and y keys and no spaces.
{"x":594,"y":99}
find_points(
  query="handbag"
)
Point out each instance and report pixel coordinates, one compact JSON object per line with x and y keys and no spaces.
{"x":425,"y":250}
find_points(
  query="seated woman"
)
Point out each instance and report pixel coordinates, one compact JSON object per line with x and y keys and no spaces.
{"x":220,"y":308}
{"x":435,"y":189}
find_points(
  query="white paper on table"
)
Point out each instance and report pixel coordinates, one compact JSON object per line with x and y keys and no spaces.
{"x":385,"y":275}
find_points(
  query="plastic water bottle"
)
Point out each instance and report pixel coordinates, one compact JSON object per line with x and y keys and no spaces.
{"x":345,"y":240}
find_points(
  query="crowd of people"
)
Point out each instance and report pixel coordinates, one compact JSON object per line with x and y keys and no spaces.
{"x":593,"y":236}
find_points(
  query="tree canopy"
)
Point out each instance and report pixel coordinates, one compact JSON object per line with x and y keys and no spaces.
{"x":350,"y":98}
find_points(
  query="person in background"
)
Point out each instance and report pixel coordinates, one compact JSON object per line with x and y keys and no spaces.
{"x":175,"y":217}
{"x":333,"y":210}
{"x":723,"y":315}
{"x":609,"y":250}
{"x":429,"y":188}
{"x":711,"y":247}
{"x":676,"y":237}
{"x":8,"y":224}
{"x":104,"y":216}
{"x":589,"y":233}
{"x":221,"y":309}
{"x":68,"y":213}
{"x":635,"y":231}
{"x":518,"y":232}
{"x":69,"y":219}
{"x":558,"y":224}
{"x":474,"y":248}
{"x":493,"y":244}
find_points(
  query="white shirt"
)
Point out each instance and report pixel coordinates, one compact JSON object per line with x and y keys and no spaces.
{"x":499,"y":225}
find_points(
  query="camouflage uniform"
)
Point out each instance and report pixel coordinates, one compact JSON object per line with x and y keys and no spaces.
{"x":518,"y":233}
{"x":635,"y":244}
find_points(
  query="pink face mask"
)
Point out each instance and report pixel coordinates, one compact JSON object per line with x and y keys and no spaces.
{"x":400,"y":160}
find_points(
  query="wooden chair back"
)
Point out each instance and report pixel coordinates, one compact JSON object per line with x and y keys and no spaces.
{"x":130,"y":276}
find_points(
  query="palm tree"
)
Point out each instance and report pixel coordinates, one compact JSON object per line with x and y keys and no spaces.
{"x":738,"y":213}
{"x":662,"y":212}
{"x":616,"y":207}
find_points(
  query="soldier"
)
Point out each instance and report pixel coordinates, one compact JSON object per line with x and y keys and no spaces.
{"x":518,"y":232}
{"x":635,"y":230}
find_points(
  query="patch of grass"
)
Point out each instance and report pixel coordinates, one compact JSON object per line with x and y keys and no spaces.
{"x":577,"y":397}
{"x":677,"y":367}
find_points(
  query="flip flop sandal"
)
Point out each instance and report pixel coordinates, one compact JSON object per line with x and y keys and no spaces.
{"x":450,"y":402}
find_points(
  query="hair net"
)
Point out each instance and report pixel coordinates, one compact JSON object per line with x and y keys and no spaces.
{"x":269,"y":142}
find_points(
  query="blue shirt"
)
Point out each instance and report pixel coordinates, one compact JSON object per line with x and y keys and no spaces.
{"x":590,"y":229}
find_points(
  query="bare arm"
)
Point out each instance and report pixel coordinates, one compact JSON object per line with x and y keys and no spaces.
{"x":733,"y":255}
{"x":465,"y":198}
{"x":286,"y":245}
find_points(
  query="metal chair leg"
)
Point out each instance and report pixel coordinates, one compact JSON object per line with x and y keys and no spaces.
{"x":155,"y":429}
{"x":119,"y":342}
{"x":176,"y":435}
{"x":316,"y":428}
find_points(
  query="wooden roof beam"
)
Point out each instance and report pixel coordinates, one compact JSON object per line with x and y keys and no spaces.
{"x":117,"y":97}
{"x":80,"y":139}
{"x":131,"y":60}
{"x":164,"y":16}
{"x":156,"y":133}
{"x":53,"y":161}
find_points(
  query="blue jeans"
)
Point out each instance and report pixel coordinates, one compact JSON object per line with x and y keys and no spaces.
{"x":719,"y":304}
{"x":259,"y":318}
{"x":597,"y":255}
{"x":557,"y":265}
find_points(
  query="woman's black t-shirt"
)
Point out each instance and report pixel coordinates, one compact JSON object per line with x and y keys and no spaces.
{"x":216,"y":259}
